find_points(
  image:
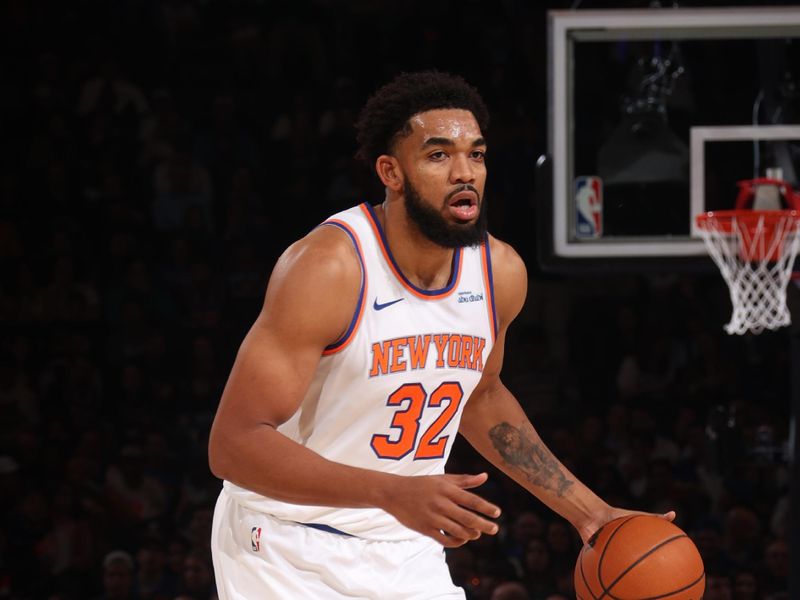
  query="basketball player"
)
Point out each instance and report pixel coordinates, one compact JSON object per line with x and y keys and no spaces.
{"x":380,"y":338}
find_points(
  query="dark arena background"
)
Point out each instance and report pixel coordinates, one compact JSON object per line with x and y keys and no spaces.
{"x":158,"y":156}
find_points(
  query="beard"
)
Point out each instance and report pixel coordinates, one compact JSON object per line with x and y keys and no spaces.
{"x":438,"y":229}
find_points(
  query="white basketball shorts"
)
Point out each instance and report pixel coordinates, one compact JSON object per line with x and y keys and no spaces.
{"x":257,"y":556}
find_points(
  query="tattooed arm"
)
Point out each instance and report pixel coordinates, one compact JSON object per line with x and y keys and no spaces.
{"x":518,"y":448}
{"x":497,"y":427}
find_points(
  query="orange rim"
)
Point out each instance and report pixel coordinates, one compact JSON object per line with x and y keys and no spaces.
{"x":749,"y":218}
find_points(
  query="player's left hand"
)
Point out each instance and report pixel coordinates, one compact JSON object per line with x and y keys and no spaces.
{"x":589,"y":529}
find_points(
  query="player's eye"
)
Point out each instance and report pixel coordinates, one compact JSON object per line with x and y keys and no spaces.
{"x":478,"y":154}
{"x":438,"y":155}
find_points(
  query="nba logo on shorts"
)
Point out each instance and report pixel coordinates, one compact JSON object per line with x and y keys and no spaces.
{"x":255,"y":538}
{"x":588,"y":207}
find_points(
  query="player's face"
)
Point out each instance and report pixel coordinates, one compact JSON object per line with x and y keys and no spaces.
{"x":443,"y":161}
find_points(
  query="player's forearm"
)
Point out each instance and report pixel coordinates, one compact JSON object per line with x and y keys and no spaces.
{"x":498,"y":428}
{"x":267,"y":462}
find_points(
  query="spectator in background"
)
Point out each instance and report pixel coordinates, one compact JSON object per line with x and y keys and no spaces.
{"x":70,"y":548}
{"x":118,"y":580}
{"x":564,"y":547}
{"x":22,"y":303}
{"x":204,"y":381}
{"x":779,"y":518}
{"x":775,"y":574}
{"x":153,"y":580}
{"x":127,"y":339}
{"x":226,"y":144}
{"x":718,"y":586}
{"x":539,"y":578}
{"x":247,"y":218}
{"x":176,"y":549}
{"x":180,"y":185}
{"x":27,"y":526}
{"x":708,"y":538}
{"x":198,"y":490}
{"x":176,"y":265}
{"x":110,"y":92}
{"x":161,"y":129}
{"x":527,"y":526}
{"x":65,"y":298}
{"x":463,"y":568}
{"x":197,"y":528}
{"x":742,"y":535}
{"x":510,"y":590}
{"x":159,"y":461}
{"x":83,"y":471}
{"x":111,"y":108}
{"x":204,"y":296}
{"x":197,"y":580}
{"x":141,"y":287}
{"x":745,"y":585}
{"x":19,"y":403}
{"x":136,"y":496}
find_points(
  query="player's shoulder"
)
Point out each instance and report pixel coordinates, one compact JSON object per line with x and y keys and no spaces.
{"x":323,"y":260}
{"x":507,"y":264}
{"x":510,"y":278}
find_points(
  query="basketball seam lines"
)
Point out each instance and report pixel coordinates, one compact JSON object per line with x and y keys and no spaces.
{"x":636,"y":562}
{"x":603,"y":555}
{"x":672,"y":593}
{"x":585,"y":581}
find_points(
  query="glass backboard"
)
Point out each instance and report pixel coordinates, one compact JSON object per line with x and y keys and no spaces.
{"x":654,"y":116}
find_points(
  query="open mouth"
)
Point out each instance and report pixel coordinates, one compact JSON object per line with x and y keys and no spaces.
{"x":464,"y":205}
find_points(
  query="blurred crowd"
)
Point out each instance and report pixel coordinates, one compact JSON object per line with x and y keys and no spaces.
{"x":156,"y":159}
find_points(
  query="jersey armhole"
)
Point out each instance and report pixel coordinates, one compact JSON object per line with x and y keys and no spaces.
{"x":488,"y":282}
{"x":349,"y":334}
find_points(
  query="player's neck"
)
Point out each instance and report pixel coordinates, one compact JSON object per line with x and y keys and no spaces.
{"x":424,"y":263}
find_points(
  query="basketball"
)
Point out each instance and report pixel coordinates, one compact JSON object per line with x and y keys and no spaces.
{"x":639,"y":557}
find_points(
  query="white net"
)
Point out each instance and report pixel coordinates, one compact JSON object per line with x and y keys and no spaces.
{"x":755,"y":253}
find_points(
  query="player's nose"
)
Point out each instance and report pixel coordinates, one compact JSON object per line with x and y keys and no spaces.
{"x":462,"y":170}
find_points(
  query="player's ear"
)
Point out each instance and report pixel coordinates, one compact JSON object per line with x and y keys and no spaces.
{"x":389,"y":171}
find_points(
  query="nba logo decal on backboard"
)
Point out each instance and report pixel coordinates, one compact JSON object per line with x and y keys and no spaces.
{"x":588,"y":207}
{"x":255,"y":538}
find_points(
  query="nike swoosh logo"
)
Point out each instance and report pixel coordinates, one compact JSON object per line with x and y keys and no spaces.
{"x":378,"y":306}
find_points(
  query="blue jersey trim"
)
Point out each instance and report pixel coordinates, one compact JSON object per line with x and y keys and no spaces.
{"x":456,"y":265}
{"x":491,"y":283}
{"x":357,"y":314}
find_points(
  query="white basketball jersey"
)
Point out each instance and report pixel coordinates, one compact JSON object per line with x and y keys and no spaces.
{"x":389,"y":394}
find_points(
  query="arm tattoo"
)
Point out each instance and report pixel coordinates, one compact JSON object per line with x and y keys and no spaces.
{"x":532,"y":458}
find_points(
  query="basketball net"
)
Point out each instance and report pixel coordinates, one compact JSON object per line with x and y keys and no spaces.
{"x":755,"y":251}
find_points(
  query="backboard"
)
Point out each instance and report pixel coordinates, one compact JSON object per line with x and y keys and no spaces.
{"x":654,"y":115}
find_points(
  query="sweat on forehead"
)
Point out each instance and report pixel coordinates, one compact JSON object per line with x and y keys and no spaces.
{"x":442,"y":125}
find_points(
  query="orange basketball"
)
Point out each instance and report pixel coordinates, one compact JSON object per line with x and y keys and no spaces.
{"x":639,"y":557}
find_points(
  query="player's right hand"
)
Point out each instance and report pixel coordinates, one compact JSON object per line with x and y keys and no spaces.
{"x":440,"y":507}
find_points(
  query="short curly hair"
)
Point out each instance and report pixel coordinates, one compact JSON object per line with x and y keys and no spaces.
{"x":385,"y":117}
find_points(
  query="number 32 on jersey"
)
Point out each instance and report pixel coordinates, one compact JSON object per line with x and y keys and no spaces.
{"x":406,"y":421}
